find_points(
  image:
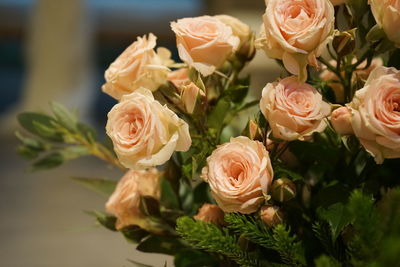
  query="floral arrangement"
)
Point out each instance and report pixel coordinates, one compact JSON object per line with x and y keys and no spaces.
{"x":312,"y":179}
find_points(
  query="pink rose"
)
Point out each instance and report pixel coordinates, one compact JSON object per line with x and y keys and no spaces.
{"x":361,"y":72}
{"x":124,"y":203}
{"x":239,"y":174}
{"x":376,"y":114}
{"x":293,"y":109}
{"x":144,"y":132}
{"x":296,"y":32}
{"x":138,"y":66}
{"x":210,"y":213}
{"x":341,"y":121}
{"x":387,"y":16}
{"x":204,"y":43}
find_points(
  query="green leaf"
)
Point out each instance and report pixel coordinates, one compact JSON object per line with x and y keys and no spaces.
{"x":237,"y":93}
{"x":88,"y":132}
{"x":50,"y":161}
{"x":281,"y":171}
{"x":186,"y":196}
{"x":202,"y":194}
{"x":217,"y":116}
{"x":134,"y":233}
{"x":191,"y":257}
{"x":337,"y":216}
{"x":64,"y":116}
{"x":326,"y":261}
{"x":101,"y":186}
{"x":73,"y":152}
{"x":106,"y":220}
{"x":168,"y":197}
{"x":161,"y":244}
{"x":149,"y":206}
{"x":40,"y":125}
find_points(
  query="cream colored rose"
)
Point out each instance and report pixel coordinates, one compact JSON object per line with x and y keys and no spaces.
{"x":124,"y":202}
{"x":293,"y":109}
{"x":341,"y":121}
{"x":376,"y":114}
{"x":144,"y":132}
{"x":138,"y":66}
{"x":387,"y":16}
{"x":361,"y":72}
{"x":296,"y":32}
{"x":204,"y":43}
{"x":210,"y":213}
{"x":338,"y":2}
{"x":239,"y":174}
{"x":239,"y":28}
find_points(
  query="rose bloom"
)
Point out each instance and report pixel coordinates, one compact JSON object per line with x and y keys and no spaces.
{"x":239,"y":174}
{"x":293,"y":109}
{"x":144,"y":132}
{"x":341,"y":121}
{"x":361,"y":72}
{"x":138,"y":66}
{"x":179,"y":77}
{"x":204,"y":43}
{"x":387,"y":16}
{"x":376,"y":114}
{"x":210,"y":213}
{"x":239,"y":28}
{"x":296,"y":32}
{"x":124,"y":202}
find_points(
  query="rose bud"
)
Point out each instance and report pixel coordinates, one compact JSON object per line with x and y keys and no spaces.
{"x":341,"y":121}
{"x":210,"y":213}
{"x":283,"y":190}
{"x":271,"y":215}
{"x":344,"y":42}
{"x":124,"y":202}
{"x":189,"y":96}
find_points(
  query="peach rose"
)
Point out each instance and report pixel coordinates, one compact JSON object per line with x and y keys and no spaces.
{"x":361,"y":72}
{"x":204,"y":43}
{"x":376,"y":114}
{"x":138,"y":66}
{"x":387,"y":16}
{"x":341,"y":121}
{"x":239,"y":174}
{"x":210,"y":213}
{"x":144,"y":132}
{"x":293,"y":109}
{"x":124,"y":202}
{"x":239,"y":28}
{"x":296,"y":32}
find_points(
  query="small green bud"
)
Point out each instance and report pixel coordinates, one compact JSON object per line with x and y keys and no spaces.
{"x":283,"y":190}
{"x":344,"y":43}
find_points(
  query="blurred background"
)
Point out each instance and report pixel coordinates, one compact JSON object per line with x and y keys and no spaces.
{"x":59,"y":50}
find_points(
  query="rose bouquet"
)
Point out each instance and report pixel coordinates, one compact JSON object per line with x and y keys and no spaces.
{"x":311,"y":178}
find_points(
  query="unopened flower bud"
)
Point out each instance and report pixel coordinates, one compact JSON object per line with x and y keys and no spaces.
{"x":210,"y":213}
{"x":271,"y":215}
{"x":254,"y":131}
{"x":189,"y":96}
{"x":344,"y":42}
{"x":283,"y":190}
{"x":341,"y":121}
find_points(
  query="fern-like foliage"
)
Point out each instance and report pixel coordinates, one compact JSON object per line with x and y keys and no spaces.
{"x":277,"y":238}
{"x":211,"y":238}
